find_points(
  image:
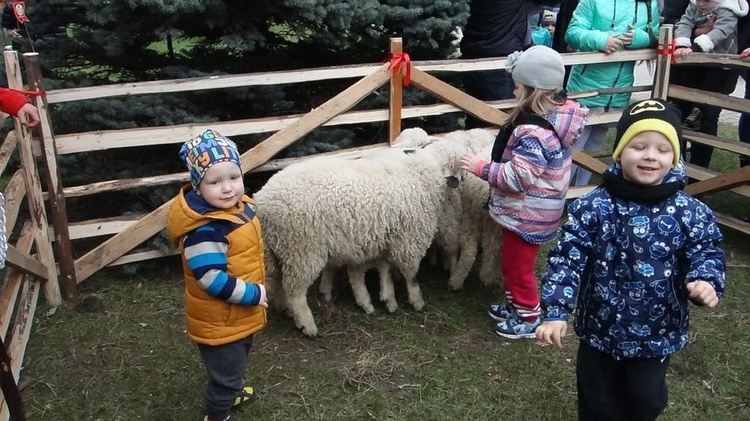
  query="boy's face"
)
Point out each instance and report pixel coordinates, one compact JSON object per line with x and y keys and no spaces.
{"x":646,"y":159}
{"x":705,"y":6}
{"x":550,"y":26}
{"x":222,"y":186}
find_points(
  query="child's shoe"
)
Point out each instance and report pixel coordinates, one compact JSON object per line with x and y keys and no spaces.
{"x":501,"y":312}
{"x":516,"y":328}
{"x":247,"y":395}
{"x":206,"y":418}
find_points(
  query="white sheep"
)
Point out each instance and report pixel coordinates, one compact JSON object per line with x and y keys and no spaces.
{"x":341,"y":212}
{"x":466,"y":223}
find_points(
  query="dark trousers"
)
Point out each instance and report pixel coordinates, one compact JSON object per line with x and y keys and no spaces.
{"x":711,"y":79}
{"x":224,"y":365}
{"x":611,"y":390}
{"x":744,"y":126}
{"x":490,"y":85}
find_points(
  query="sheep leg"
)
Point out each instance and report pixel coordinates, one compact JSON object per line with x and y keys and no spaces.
{"x":465,"y":261}
{"x":412,"y":286}
{"x":357,"y":281}
{"x":490,"y":271}
{"x":387,"y":292}
{"x":326,"y":284}
{"x":301,"y":312}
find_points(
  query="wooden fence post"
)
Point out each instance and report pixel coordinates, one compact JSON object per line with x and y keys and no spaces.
{"x":663,"y":62}
{"x":395,"y":98}
{"x":53,"y":179}
{"x":34,"y":190}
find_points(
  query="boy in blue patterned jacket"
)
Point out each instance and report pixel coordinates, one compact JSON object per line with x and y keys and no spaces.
{"x":630,"y":256}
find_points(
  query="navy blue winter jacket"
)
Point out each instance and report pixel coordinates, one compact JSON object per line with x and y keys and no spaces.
{"x":625,"y":267}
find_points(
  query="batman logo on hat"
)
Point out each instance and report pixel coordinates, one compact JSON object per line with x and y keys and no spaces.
{"x":647,"y":105}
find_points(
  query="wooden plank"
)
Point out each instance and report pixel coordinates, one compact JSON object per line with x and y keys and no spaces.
{"x":700,"y":173}
{"x":25,"y":263}
{"x":663,"y":62}
{"x":14,"y":194}
{"x":113,"y":248}
{"x":317,"y":74}
{"x":578,"y":191}
{"x":22,"y":330}
{"x":12,"y":281}
{"x":315,"y":118}
{"x":717,"y":142}
{"x":33,"y":189}
{"x":582,"y":159}
{"x":457,"y":98}
{"x":396,"y":91}
{"x":710,"y":98}
{"x":102,"y":226}
{"x":53,"y":179}
{"x":144,"y":255}
{"x":726,"y":181}
{"x":6,"y":150}
{"x":733,"y":223}
{"x":715,"y":60}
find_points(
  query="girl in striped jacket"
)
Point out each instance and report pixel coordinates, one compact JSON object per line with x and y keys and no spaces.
{"x":529,"y":176}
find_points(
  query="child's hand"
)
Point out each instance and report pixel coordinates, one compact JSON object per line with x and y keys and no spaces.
{"x":551,"y":332}
{"x":612,"y":45}
{"x":682,"y":52}
{"x":745,"y":52}
{"x":29,"y":115}
{"x":702,"y":294}
{"x":469,"y":162}
{"x":263,"y":297}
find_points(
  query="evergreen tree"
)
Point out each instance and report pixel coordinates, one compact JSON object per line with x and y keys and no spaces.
{"x":99,"y":42}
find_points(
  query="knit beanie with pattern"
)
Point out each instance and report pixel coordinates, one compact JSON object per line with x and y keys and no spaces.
{"x":205,"y":150}
{"x":650,"y":115}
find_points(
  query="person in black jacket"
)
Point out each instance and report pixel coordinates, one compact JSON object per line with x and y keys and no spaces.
{"x":495,"y":28}
{"x":743,"y":41}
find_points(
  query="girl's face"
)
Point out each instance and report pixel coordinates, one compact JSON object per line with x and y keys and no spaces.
{"x":705,"y":6}
{"x":519,"y":91}
{"x":222,"y":186}
{"x":646,"y":159}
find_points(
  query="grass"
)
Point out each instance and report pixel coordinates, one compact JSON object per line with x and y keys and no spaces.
{"x":123,"y":355}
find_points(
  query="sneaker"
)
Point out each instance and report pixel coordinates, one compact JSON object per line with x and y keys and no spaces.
{"x":501,"y":312}
{"x":516,"y":328}
{"x":207,"y":418}
{"x":247,"y":395}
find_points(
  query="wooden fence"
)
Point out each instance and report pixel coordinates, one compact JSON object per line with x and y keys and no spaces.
{"x":124,"y":234}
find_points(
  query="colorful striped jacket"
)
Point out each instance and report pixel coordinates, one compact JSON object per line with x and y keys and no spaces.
{"x":529,"y":184}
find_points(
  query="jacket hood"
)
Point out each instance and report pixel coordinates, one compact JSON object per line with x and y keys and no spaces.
{"x":675,"y":174}
{"x":190,"y":211}
{"x":738,"y":7}
{"x":568,"y":119}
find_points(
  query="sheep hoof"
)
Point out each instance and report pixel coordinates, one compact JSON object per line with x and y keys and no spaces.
{"x":418,"y":304}
{"x":391,"y":306}
{"x":369,"y":309}
{"x":456,"y":285}
{"x":328,"y":298}
{"x":310,"y":331}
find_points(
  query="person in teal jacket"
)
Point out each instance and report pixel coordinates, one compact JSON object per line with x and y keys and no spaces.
{"x":608,"y":27}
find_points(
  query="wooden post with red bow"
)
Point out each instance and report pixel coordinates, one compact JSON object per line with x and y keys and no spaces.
{"x":665,"y":49}
{"x":398,"y":61}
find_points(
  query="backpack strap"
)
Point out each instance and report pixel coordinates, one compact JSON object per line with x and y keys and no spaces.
{"x":503,"y":136}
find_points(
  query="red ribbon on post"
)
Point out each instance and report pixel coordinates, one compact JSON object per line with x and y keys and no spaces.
{"x":28,"y":93}
{"x":668,"y":51}
{"x":397,"y":62}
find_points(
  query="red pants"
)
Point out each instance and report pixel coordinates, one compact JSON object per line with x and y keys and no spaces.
{"x":517,"y":265}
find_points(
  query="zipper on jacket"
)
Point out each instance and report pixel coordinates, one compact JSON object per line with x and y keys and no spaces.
{"x":614,"y":84}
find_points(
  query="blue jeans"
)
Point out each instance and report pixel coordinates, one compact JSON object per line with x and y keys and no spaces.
{"x":224,"y":366}
{"x":591,"y":140}
{"x":744,"y":127}
{"x":490,"y":85}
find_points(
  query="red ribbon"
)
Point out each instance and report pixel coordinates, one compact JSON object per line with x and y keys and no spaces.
{"x":668,"y":51}
{"x":399,"y":60}
{"x":29,"y":93}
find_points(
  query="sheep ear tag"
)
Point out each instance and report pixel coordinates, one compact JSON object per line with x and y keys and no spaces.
{"x":452,"y":181}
